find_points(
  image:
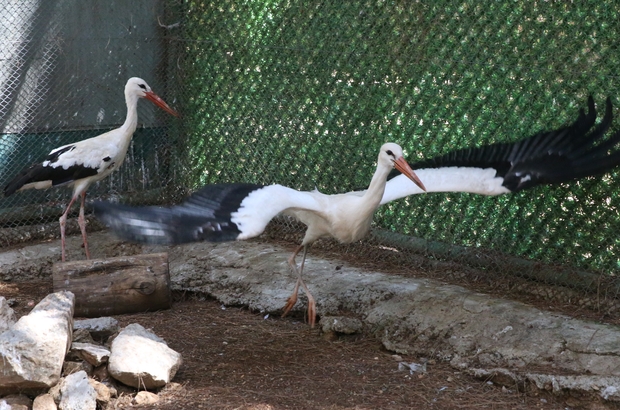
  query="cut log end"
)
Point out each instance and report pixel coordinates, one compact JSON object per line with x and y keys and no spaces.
{"x":126,"y":284}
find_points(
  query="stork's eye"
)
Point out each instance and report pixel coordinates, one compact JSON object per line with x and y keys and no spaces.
{"x":390,"y":153}
{"x":142,"y":86}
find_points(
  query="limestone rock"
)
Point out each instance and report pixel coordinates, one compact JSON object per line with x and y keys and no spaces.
{"x":76,"y":393}
{"x":44,"y":402}
{"x":145,"y":398}
{"x":141,"y":359}
{"x":92,"y":353}
{"x":18,"y":401}
{"x":100,"y":328}
{"x":32,"y":351}
{"x":7,"y":316}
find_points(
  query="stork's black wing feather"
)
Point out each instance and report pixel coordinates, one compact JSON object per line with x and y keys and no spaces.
{"x":575,"y":151}
{"x":48,"y":170}
{"x":204,"y":216}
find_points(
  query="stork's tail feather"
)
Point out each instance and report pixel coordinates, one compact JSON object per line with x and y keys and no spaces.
{"x":21,"y":179}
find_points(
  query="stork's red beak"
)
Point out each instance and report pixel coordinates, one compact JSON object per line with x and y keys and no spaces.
{"x":402,"y":165}
{"x":156,"y":99}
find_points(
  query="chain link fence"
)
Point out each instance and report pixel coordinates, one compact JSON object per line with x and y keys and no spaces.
{"x":304,"y":94}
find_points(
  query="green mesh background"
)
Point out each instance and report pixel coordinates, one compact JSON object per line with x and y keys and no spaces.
{"x":304,"y":93}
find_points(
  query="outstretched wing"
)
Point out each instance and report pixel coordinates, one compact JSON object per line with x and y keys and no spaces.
{"x":215,"y":213}
{"x":576,"y":151}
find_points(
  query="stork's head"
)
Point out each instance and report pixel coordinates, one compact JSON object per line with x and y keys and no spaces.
{"x":391,"y":155}
{"x":137,"y":87}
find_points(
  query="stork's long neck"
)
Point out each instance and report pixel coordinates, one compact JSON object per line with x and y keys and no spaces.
{"x":131,"y":122}
{"x":375,"y":190}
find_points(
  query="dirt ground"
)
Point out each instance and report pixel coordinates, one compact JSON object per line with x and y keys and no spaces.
{"x":237,"y":359}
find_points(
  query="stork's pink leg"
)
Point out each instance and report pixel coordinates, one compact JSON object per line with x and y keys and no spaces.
{"x":82,"y":223}
{"x":63,"y":222}
{"x":293,"y":298}
{"x":311,"y":302}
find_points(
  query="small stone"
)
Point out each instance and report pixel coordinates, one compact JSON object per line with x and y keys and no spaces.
{"x":397,"y":357}
{"x":76,"y":393}
{"x":103,"y":392}
{"x":145,"y":398}
{"x":92,"y":353}
{"x":44,"y":402}
{"x":141,"y":359}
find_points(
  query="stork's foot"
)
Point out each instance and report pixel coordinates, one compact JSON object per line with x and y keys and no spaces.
{"x":290,"y":302}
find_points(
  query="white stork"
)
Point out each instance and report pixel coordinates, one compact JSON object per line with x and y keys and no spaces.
{"x":226,"y":212}
{"x":249,"y":208}
{"x":84,"y":162}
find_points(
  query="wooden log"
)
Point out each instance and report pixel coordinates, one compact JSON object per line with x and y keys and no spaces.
{"x":126,"y":284}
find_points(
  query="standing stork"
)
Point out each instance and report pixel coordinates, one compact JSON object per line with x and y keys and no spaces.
{"x":226,"y":212}
{"x":242,"y":211}
{"x":84,"y":162}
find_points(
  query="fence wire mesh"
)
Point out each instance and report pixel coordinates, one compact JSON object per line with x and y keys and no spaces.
{"x":304,"y":94}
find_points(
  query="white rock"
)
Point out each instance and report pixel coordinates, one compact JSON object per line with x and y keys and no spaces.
{"x":100,"y":328}
{"x":93,"y":354}
{"x":32,"y":351}
{"x":4,"y":405}
{"x":44,"y":402}
{"x":141,"y":359}
{"x":76,"y":393}
{"x":7,"y":315}
{"x":145,"y":398}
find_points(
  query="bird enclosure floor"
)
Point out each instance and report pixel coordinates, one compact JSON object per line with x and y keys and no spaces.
{"x":237,"y":359}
